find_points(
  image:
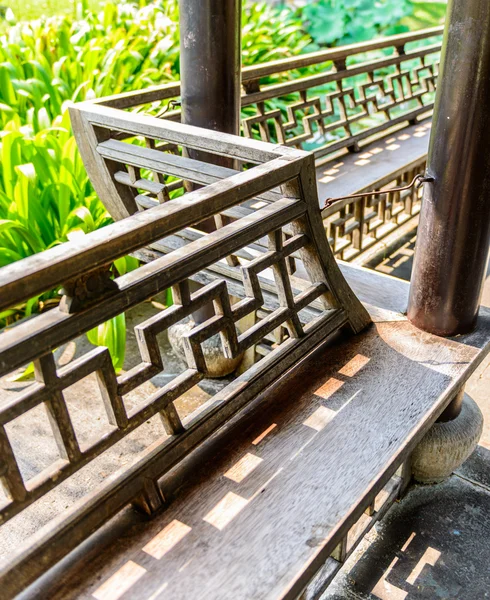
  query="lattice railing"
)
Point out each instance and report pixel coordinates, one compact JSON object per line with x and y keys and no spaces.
{"x":355,"y":225}
{"x":355,"y":92}
{"x":283,"y":275}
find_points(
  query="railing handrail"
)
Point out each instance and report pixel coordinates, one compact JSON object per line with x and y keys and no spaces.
{"x":334,"y":54}
{"x":256,"y":72}
{"x":33,"y":275}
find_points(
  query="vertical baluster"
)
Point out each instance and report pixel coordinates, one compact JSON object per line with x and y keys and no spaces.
{"x":10,"y":475}
{"x":59,"y":418}
{"x":408,"y":200}
{"x":358,"y":233}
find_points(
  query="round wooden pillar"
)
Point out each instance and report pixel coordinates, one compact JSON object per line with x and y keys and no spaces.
{"x":454,"y":230}
{"x":210,"y":68}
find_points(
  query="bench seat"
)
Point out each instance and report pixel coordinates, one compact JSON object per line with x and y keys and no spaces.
{"x":277,"y":500}
{"x":378,"y":159}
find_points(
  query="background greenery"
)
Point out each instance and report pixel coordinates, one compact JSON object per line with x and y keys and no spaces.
{"x":87,"y":49}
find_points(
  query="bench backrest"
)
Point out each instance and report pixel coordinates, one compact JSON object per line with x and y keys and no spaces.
{"x":258,"y":282}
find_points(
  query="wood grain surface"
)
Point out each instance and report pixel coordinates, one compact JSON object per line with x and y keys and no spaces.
{"x":275,"y":494}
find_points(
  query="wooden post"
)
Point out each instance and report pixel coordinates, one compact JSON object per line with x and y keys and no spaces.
{"x":210,"y":76}
{"x":210,"y":67}
{"x":454,"y":231}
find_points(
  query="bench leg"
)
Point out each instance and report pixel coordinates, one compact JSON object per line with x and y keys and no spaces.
{"x":449,"y":442}
{"x":151,"y":499}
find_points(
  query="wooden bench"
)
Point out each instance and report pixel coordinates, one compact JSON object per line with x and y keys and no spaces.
{"x":274,"y":506}
{"x":263,"y":490}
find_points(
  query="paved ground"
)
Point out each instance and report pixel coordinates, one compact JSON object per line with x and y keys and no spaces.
{"x":435,"y":543}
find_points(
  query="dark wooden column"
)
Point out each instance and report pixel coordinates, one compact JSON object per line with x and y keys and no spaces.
{"x":210,"y":67}
{"x":210,"y":75}
{"x":454,"y":231}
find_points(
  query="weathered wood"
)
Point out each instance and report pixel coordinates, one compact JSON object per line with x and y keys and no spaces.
{"x":276,"y":301}
{"x":57,"y":265}
{"x":305,"y":185}
{"x":175,"y":133}
{"x":340,"y":433}
{"x":335,"y":54}
{"x":118,"y":199}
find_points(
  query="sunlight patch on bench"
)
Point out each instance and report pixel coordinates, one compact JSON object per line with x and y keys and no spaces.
{"x":166,"y":539}
{"x":384,"y":590}
{"x":119,"y":583}
{"x":327,"y":179}
{"x":225,"y":511}
{"x":318,"y":419}
{"x":430,"y":557}
{"x":265,"y":433}
{"x":354,"y":365}
{"x":329,"y":388}
{"x":243,"y":467}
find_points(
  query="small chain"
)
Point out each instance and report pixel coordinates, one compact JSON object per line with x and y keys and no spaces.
{"x":418,"y":180}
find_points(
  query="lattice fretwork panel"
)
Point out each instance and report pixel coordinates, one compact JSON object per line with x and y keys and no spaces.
{"x":278,"y":305}
{"x":344,"y":104}
{"x":356,"y":225}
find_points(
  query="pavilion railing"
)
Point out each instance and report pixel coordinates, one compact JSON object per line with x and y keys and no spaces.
{"x":356,"y":225}
{"x":355,"y":92}
{"x":329,"y":101}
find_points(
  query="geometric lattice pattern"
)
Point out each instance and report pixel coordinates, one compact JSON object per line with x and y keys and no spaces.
{"x":344,"y":104}
{"x":51,"y":382}
{"x":355,"y":225}
{"x":282,"y":280}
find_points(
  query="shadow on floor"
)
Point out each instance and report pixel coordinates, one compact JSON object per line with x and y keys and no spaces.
{"x":434,"y":544}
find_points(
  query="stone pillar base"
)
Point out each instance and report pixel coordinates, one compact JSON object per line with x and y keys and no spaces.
{"x":448,"y":444}
{"x":216,"y":362}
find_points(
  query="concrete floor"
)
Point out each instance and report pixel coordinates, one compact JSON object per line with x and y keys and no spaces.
{"x":435,"y":543}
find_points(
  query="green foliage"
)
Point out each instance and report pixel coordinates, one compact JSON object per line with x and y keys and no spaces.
{"x":425,"y":14}
{"x":45,"y":196}
{"x":270,"y":34}
{"x":339,"y":22}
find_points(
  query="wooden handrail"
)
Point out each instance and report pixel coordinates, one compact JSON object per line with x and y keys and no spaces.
{"x":256,"y":72}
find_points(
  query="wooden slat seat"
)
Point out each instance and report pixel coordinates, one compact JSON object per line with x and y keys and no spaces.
{"x":284,"y":493}
{"x":377,"y":160}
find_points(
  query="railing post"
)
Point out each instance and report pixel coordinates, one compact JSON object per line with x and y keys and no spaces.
{"x":210,"y":67}
{"x":454,"y":230}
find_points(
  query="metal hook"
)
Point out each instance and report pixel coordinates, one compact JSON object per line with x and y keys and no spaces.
{"x":418,"y":180}
{"x":170,"y":104}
